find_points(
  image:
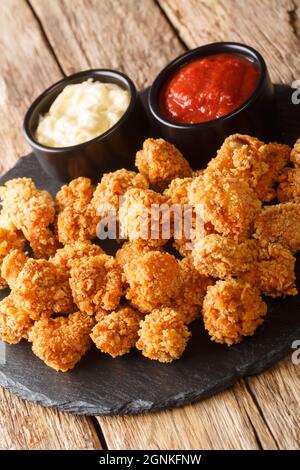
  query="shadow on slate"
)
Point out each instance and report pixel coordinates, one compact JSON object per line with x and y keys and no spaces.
{"x":100,"y":385}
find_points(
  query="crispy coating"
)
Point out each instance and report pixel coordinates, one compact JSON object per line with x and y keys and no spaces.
{"x":295,"y":154}
{"x":31,"y":211}
{"x":117,"y":332}
{"x":154,"y":280}
{"x":15,"y":323}
{"x":144,"y":215}
{"x":160,"y":162}
{"x":177,"y":191}
{"x":289,"y":185}
{"x":78,"y":190}
{"x":227,"y":203}
{"x":231,"y":310}
{"x":280,"y":224}
{"x":9,"y":241}
{"x":69,"y":253}
{"x":77,"y":222}
{"x":12,"y":265}
{"x":96,"y":283}
{"x":61,"y":342}
{"x":42,"y":288}
{"x":222,"y":257}
{"x":192,"y":292}
{"x":273,"y":273}
{"x":163,"y":336}
{"x":131,"y":250}
{"x":247,"y":158}
{"x":113,"y":186}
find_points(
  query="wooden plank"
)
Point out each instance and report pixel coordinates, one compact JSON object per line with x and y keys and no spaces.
{"x":271,"y":27}
{"x":127,"y":35}
{"x":26,"y":426}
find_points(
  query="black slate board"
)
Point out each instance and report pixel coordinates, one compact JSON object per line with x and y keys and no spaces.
{"x":100,"y":385}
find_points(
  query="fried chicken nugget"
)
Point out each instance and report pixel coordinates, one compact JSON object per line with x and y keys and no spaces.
{"x":163,"y":336}
{"x":154,"y":279}
{"x":78,"y":190}
{"x":65,"y":256}
{"x":117,"y":332}
{"x":96,"y":283}
{"x":61,"y":342}
{"x":228,"y":204}
{"x":144,"y":215}
{"x":9,"y":241}
{"x":289,"y":185}
{"x":295,"y":154}
{"x":273,"y":273}
{"x":231,"y":310}
{"x":131,"y":250}
{"x":77,"y":222}
{"x":12,"y":265}
{"x":113,"y":186}
{"x":280,"y":224}
{"x":42,"y":288}
{"x":222,"y":257}
{"x":32,"y":211}
{"x":15,"y":323}
{"x":160,"y":162}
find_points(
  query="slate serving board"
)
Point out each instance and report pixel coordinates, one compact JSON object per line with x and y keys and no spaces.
{"x":100,"y":385}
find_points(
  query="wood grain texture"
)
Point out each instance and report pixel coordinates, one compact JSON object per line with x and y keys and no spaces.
{"x":127,"y":35}
{"x":27,"y":426}
{"x":272,"y":27}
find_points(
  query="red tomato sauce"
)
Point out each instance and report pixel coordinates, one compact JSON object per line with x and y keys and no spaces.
{"x":209,"y":88}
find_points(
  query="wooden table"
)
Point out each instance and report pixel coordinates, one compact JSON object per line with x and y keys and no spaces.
{"x":41,"y":41}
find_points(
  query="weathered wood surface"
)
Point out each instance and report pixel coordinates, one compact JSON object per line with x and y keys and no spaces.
{"x":39,"y":42}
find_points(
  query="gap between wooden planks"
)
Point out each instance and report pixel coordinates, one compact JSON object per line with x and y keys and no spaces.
{"x":70,"y":35}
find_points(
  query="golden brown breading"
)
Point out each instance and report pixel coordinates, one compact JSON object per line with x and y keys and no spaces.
{"x":61,"y":342}
{"x":160,"y":162}
{"x":295,"y":154}
{"x":113,"y":186}
{"x":78,"y":190}
{"x":69,"y":253}
{"x":274,"y":271}
{"x":14,"y":322}
{"x":227,"y":203}
{"x":154,"y":280}
{"x":31,"y":211}
{"x":289,"y":185}
{"x":280,"y":224}
{"x":42,"y":288}
{"x":12,"y":265}
{"x":222,"y":257}
{"x":177,"y":191}
{"x":117,"y":332}
{"x":163,"y":336}
{"x":131,"y":250}
{"x":9,"y":241}
{"x":231,"y":310}
{"x":96,"y":283}
{"x":141,"y":218}
{"x":192,"y":292}
{"x":77,"y":222}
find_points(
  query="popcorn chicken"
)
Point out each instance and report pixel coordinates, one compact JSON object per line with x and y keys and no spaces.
{"x":9,"y":241}
{"x":15,"y":322}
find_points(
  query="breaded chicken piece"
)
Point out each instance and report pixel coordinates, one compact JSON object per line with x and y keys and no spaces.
{"x":144,"y":215}
{"x":42,"y":288}
{"x":280,"y":224}
{"x":131,"y":250}
{"x":65,"y":256}
{"x":192,"y":292}
{"x":160,"y":162}
{"x":274,"y":271}
{"x":117,"y":332}
{"x":289,"y":185}
{"x":15,"y":323}
{"x":231,"y":310}
{"x":163,"y":336}
{"x":9,"y":241}
{"x":112,"y":187}
{"x":227,"y":203}
{"x":154,"y":280}
{"x":177,"y":191}
{"x":32,"y":211}
{"x":96,"y":283}
{"x":247,"y":158}
{"x":78,"y":190}
{"x":295,"y":154}
{"x":61,"y":342}
{"x":222,"y":257}
{"x":77,"y":222}
{"x":12,"y":265}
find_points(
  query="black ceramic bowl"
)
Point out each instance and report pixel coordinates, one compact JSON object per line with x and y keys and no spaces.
{"x":114,"y":149}
{"x":199,"y":142}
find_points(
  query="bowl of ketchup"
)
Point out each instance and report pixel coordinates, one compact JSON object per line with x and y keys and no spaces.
{"x":209,"y":93}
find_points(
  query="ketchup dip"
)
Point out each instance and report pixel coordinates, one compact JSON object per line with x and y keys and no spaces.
{"x":209,"y":88}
